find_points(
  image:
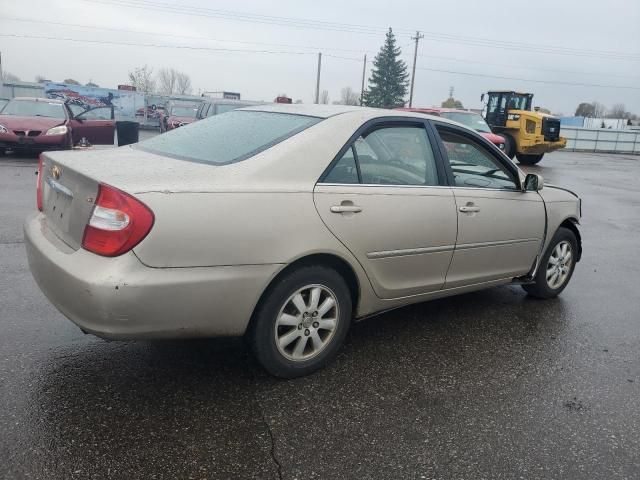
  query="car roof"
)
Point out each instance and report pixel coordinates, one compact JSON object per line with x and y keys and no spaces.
{"x":438,"y":110}
{"x":327,"y":111}
{"x":509,"y":91}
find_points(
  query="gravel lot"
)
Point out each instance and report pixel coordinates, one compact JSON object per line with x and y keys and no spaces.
{"x":488,"y":385}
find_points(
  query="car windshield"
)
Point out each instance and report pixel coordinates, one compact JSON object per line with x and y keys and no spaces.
{"x":184,"y":112}
{"x":34,"y":108}
{"x":227,"y":138}
{"x":471,"y":120}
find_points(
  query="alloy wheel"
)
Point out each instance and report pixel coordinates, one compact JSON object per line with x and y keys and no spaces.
{"x":306,"y":322}
{"x":559,"y":265}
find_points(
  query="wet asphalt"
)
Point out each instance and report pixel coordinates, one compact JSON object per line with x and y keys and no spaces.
{"x":487,"y":385}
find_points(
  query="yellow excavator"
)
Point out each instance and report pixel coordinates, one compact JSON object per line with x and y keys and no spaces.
{"x":528,"y":134}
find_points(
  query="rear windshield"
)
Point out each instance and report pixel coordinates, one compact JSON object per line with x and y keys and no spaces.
{"x":34,"y":108}
{"x":230,"y":137}
{"x":184,"y":112}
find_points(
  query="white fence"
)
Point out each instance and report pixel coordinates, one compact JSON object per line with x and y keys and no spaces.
{"x":601,"y":140}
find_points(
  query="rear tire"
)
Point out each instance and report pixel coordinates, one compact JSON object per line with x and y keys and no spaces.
{"x":556,"y":267}
{"x":529,"y":159}
{"x":302,"y":321}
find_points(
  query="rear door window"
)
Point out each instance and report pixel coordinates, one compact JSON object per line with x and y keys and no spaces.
{"x":228,"y":138}
{"x":396,"y":156}
{"x":390,"y":155}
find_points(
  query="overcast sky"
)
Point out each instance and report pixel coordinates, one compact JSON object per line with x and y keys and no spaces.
{"x":581,"y":42}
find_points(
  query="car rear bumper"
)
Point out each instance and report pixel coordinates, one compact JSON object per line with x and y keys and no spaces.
{"x":120,"y":298}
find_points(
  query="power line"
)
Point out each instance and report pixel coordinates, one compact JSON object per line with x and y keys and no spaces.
{"x":364,"y":29}
{"x":288,"y":52}
{"x":154,"y":45}
{"x":310,"y":47}
{"x":525,"y":67}
{"x":557,"y":82}
{"x":192,"y":37}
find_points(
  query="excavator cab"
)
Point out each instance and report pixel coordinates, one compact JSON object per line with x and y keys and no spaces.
{"x":499,"y":104}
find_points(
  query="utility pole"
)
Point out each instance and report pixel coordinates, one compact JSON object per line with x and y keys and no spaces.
{"x":318,"y":79}
{"x":364,"y":72}
{"x":413,"y":70}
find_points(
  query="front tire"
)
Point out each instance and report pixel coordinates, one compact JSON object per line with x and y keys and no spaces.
{"x":529,"y":159}
{"x":556,"y":267}
{"x":509,"y":145}
{"x":301,"y":323}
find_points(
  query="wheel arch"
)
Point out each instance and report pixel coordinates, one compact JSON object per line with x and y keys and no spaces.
{"x":331,"y":260}
{"x":571,"y":223}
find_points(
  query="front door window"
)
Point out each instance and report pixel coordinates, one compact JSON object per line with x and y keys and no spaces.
{"x":473,"y":165}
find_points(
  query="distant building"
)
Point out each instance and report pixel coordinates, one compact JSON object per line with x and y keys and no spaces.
{"x":225,"y":95}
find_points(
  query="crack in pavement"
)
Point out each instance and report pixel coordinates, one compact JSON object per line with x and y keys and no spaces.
{"x":272,"y":438}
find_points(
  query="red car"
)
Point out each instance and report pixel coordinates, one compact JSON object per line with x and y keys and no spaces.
{"x":177,"y":116}
{"x":467,"y":118}
{"x":39,"y":124}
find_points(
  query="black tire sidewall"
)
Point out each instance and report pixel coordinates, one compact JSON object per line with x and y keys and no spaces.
{"x":541,"y":288}
{"x":509,"y":145}
{"x":261,"y":332}
{"x":529,"y":159}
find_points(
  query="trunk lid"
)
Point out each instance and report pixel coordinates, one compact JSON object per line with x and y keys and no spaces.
{"x":68,"y":197}
{"x":70,"y":182}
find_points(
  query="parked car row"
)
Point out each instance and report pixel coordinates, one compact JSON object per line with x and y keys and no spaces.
{"x":181,"y":114}
{"x":40,"y":124}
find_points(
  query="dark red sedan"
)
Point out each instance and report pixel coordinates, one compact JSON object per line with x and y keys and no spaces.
{"x":39,"y":124}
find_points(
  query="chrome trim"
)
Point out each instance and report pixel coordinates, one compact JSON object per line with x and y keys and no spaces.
{"x":378,"y":185}
{"x":409,"y":251}
{"x":452,"y":187}
{"x":466,"y":246}
{"x":58,"y":187}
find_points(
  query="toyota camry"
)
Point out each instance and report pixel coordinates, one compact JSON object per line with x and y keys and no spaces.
{"x":285,"y":223}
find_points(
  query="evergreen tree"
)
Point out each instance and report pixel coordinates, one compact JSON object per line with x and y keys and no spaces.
{"x":389,"y":78}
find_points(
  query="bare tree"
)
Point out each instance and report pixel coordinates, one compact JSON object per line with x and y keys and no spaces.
{"x":324,"y":97}
{"x":91,"y":84}
{"x":171,"y":81}
{"x":618,"y":111}
{"x":142,"y":79}
{"x":71,"y":81}
{"x":167,"y":78}
{"x":349,"y":97}
{"x":183,"y":84}
{"x":598,"y":109}
{"x":9,"y":77}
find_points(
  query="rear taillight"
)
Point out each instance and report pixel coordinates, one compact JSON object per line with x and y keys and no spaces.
{"x":118,"y":223}
{"x":39,"y":184}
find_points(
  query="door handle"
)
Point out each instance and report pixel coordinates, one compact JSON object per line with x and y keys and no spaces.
{"x":469,"y":209}
{"x":346,"y":209}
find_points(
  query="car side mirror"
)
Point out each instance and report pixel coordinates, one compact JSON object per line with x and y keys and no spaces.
{"x":533,"y":182}
{"x":482,"y":97}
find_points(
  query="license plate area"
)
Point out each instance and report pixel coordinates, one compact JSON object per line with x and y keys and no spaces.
{"x":57,"y":205}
